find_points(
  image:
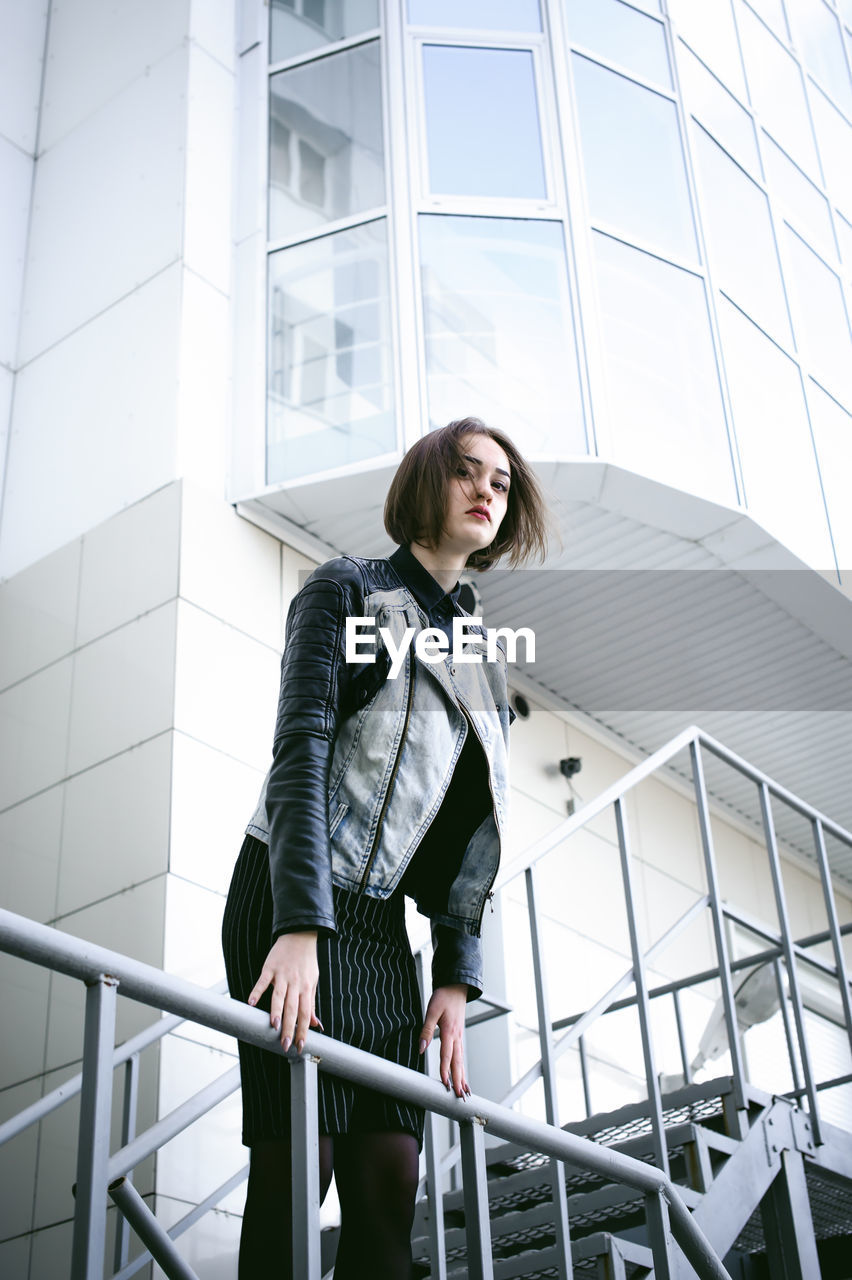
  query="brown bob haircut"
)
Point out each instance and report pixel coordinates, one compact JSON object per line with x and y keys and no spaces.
{"x":417,"y":499}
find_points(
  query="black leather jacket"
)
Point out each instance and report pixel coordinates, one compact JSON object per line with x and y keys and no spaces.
{"x":322,"y":695}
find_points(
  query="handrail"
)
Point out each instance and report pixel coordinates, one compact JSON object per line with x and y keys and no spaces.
{"x":70,"y":1088}
{"x":98,"y":966}
{"x":643,"y":770}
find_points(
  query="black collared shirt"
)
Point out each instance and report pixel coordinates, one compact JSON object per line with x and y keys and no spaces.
{"x":467,"y":800}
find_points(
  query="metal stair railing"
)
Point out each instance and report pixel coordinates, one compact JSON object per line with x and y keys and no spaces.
{"x":613,"y":797}
{"x":105,"y":972}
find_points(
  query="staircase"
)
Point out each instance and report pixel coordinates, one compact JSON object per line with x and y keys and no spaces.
{"x":766,"y":1197}
{"x":772,"y":1203}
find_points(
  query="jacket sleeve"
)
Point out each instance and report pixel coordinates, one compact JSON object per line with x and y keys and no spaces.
{"x":456,"y":957}
{"x":314,"y":678}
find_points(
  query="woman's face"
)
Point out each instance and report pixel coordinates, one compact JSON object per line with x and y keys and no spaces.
{"x":477,"y":498}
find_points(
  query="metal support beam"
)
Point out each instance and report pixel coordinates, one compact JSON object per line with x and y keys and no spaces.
{"x":787,"y":1223}
{"x":833,"y":925}
{"x":548,"y":1070}
{"x":789,"y":957}
{"x":87,"y":1249}
{"x":681,"y":1038}
{"x":659,"y":1234}
{"x":304,"y":1149}
{"x":722,"y":957}
{"x":476,"y":1216}
{"x":655,"y":1103}
{"x":128,"y":1133}
{"x":152,"y":1234}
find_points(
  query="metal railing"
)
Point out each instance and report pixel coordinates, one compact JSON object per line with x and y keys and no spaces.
{"x":783,"y":946}
{"x":106,"y":972}
{"x":39,"y":943}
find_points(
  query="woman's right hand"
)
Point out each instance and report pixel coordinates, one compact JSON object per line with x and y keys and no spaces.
{"x":292,"y":972}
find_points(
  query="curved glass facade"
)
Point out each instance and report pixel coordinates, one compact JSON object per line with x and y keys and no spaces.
{"x":620,"y":229}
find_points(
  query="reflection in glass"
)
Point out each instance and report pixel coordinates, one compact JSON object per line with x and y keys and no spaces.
{"x":819,"y":33}
{"x":489,"y":15}
{"x":620,"y":34}
{"x":777,"y":92}
{"x":499,"y":329}
{"x":844,"y":236}
{"x":820,"y":323}
{"x":295,"y":26}
{"x":719,"y":112}
{"x":832,"y":432}
{"x":330,"y":388}
{"x":782,"y":485}
{"x":740,"y":244}
{"x":482,"y":122}
{"x":834,"y":135}
{"x":803,"y":204}
{"x":665,"y":405}
{"x":709,"y":30}
{"x":325,"y":141}
{"x":635,"y":174}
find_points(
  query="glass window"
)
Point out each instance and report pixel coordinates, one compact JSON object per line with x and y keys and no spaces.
{"x":635,"y":174}
{"x":834,"y":136}
{"x":718,"y":110}
{"x":482,"y":122}
{"x":330,"y":374}
{"x":295,"y":26}
{"x":846,"y":11}
{"x":772,"y":13}
{"x":709,"y":30}
{"x":488,"y":15}
{"x":499,"y":330}
{"x":822,"y":44}
{"x":832,"y":431}
{"x":740,"y":244}
{"x":777,"y":92}
{"x":325,"y":141}
{"x":844,"y":235}
{"x":801,"y":202}
{"x":665,"y":405}
{"x":620,"y":34}
{"x":782,"y":486}
{"x":820,"y":322}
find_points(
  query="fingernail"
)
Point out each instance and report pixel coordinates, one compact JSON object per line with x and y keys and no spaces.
{"x":285,"y":1043}
{"x":422,"y":1046}
{"x":300,"y":1046}
{"x":276,"y":1022}
{"x":252,"y":1000}
{"x":319,"y":1024}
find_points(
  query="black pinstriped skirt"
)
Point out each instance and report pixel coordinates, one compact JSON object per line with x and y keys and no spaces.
{"x":367,"y":996}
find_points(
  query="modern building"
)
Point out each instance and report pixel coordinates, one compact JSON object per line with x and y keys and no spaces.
{"x":250,"y":253}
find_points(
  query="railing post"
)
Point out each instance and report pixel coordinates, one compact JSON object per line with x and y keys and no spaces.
{"x":90,"y":1210}
{"x":833,"y":925}
{"x":785,"y":1022}
{"x":681,"y":1038}
{"x":659,"y":1234}
{"x":434,"y":1185}
{"x":476,"y":1216}
{"x":304,"y":1150}
{"x":584,"y":1075}
{"x":548,"y":1071}
{"x":661,"y":1151}
{"x":789,"y":957}
{"x":128,"y":1133}
{"x":722,"y":957}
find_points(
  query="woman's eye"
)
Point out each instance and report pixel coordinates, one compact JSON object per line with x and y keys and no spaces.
{"x":498,"y":484}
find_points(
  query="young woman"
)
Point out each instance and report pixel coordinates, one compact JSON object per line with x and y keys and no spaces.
{"x":388,"y":778}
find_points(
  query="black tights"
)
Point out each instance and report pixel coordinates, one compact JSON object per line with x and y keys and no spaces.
{"x":377,"y":1177}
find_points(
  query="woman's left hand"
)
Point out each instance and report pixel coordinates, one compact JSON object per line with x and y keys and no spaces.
{"x":446,"y":1010}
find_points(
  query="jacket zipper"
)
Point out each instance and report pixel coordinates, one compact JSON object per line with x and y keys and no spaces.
{"x":375,"y":845}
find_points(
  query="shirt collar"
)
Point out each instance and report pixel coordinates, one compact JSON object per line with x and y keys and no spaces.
{"x":428,"y":592}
